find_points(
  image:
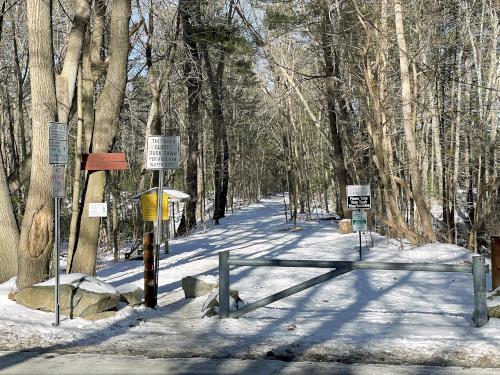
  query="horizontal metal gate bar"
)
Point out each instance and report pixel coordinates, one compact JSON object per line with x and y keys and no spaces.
{"x":465,"y":268}
{"x":478,"y":269}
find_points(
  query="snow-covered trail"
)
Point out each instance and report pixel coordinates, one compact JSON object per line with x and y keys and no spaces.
{"x":365,"y":316}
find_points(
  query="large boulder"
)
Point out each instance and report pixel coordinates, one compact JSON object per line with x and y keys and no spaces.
{"x":80,"y":296}
{"x":41,"y":297}
{"x":493,"y":302}
{"x":196,"y":287}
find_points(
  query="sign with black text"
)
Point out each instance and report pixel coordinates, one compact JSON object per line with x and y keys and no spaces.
{"x":358,"y":196}
{"x":58,"y":143}
{"x":163,"y":153}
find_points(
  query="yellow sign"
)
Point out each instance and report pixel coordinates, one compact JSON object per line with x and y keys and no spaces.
{"x":148,"y":206}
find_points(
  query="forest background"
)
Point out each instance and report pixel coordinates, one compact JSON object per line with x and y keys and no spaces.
{"x":302,"y":96}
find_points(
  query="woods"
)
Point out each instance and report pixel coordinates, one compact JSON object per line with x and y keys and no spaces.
{"x":296,"y":96}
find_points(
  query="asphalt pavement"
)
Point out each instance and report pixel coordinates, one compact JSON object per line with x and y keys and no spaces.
{"x":17,"y":363}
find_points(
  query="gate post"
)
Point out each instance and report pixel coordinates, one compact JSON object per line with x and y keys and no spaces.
{"x":480,"y":314}
{"x":495,"y":262}
{"x":223,"y":284}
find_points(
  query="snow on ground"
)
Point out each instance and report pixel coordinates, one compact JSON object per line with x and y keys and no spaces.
{"x":363,"y":316}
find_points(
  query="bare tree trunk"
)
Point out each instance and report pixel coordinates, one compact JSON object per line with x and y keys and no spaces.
{"x":189,"y":12}
{"x":20,"y":97}
{"x":66,"y":80}
{"x":9,"y":233}
{"x":36,"y":237}
{"x":409,"y":126}
{"x":106,"y":124}
{"x":341,"y":173}
{"x":221,"y":145}
{"x":75,"y":204}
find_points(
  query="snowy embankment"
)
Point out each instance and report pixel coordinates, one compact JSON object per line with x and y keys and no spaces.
{"x":363,"y":316}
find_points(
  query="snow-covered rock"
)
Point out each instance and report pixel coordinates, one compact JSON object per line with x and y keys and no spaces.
{"x":211,"y":305}
{"x":493,"y":302}
{"x":130,"y":294}
{"x":196,"y":287}
{"x":80,"y":296}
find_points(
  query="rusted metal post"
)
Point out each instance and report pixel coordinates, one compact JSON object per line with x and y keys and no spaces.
{"x":149,"y":271}
{"x":495,"y":262}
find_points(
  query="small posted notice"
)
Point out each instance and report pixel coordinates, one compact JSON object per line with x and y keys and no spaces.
{"x":58,"y":143}
{"x":98,"y":210}
{"x":359,"y":221}
{"x":58,"y":186}
{"x":163,"y":153}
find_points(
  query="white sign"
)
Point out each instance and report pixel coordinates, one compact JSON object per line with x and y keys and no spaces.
{"x":98,"y":210}
{"x":359,"y":221}
{"x":58,"y":185}
{"x":58,"y":143}
{"x":163,"y":152}
{"x":358,"y":196}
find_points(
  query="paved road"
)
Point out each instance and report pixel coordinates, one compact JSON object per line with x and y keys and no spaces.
{"x":16,"y":363}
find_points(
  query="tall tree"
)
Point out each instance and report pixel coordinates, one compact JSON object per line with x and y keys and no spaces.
{"x":190,"y":16}
{"x":216,"y":80}
{"x":107,"y":116}
{"x":9,"y":232}
{"x":409,"y":125}
{"x":36,"y":237}
{"x":332,"y":94}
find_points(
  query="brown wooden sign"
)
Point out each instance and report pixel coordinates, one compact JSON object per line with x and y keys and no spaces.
{"x":102,"y":161}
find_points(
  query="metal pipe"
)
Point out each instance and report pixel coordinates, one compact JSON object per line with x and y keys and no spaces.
{"x":360,"y":253}
{"x":223,"y":284}
{"x":57,"y":234}
{"x":480,"y":314}
{"x":465,"y":268}
{"x":159,"y":217}
{"x":288,"y":292}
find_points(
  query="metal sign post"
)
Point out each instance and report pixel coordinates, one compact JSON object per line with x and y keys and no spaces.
{"x":162,"y":154}
{"x":58,"y":157}
{"x":359,"y":199}
{"x":159,"y":217}
{"x":359,"y":224}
